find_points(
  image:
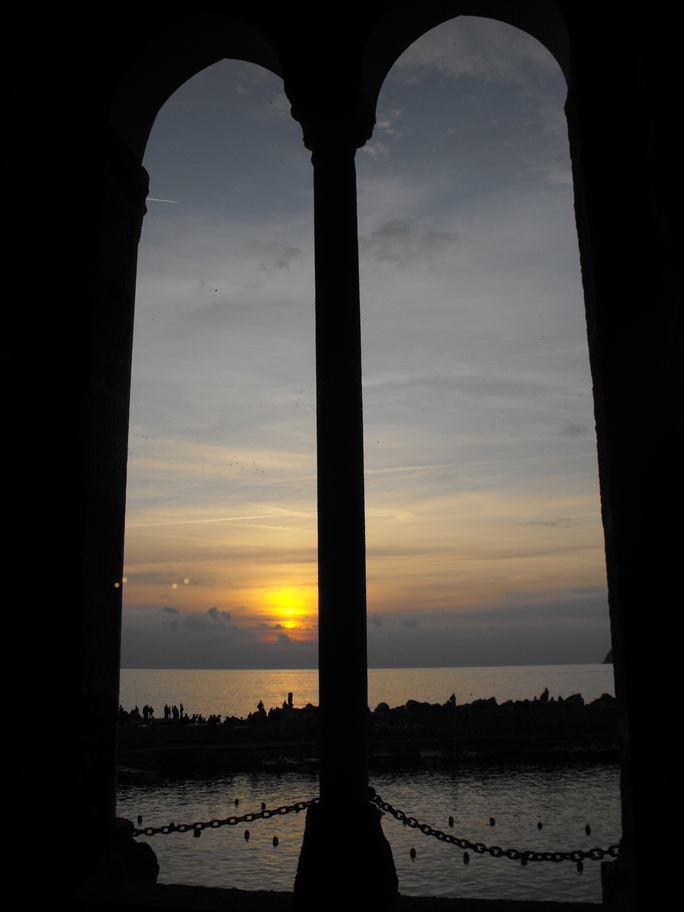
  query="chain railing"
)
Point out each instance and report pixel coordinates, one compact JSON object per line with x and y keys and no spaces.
{"x":197,"y":827}
{"x":578,"y":856}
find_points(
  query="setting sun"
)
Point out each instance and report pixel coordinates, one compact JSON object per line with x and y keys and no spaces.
{"x":289,"y":606}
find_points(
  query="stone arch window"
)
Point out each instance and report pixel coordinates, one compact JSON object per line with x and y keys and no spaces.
{"x":340,"y":455}
{"x":221,"y":470}
{"x":474,"y":330}
{"x":91,"y":87}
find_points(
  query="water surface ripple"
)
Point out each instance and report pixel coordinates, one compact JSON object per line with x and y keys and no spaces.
{"x":540,"y":808}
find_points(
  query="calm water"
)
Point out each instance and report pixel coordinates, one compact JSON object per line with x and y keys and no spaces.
{"x":564,"y":798}
{"x":237,"y":693}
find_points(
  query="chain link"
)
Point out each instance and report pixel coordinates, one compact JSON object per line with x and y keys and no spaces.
{"x":577,"y":856}
{"x":197,"y":827}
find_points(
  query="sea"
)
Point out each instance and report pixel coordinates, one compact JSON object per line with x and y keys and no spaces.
{"x":565,"y":806}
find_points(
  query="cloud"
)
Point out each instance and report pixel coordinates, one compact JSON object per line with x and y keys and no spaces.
{"x":387,"y":120}
{"x":471,"y":47}
{"x":217,"y":615}
{"x":195,"y":624}
{"x":402,"y":244}
{"x":576,"y":430}
{"x":562,"y":522}
{"x":375,"y":149}
{"x":565,"y":629}
{"x":148,"y":645}
{"x":284,"y":260}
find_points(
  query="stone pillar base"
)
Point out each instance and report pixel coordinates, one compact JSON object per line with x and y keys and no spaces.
{"x":345,"y":857}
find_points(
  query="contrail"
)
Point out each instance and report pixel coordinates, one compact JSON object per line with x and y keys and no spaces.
{"x":153,"y":199}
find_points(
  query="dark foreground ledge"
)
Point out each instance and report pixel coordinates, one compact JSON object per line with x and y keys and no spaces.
{"x":177,"y":898}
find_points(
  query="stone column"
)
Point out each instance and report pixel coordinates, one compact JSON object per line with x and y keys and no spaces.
{"x":341,"y":509}
{"x":344,"y":851}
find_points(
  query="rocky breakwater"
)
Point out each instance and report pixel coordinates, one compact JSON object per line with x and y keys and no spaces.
{"x":179,"y":744}
{"x":417,"y":732}
{"x":541,"y":727}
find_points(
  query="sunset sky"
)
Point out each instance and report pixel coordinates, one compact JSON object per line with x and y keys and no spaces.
{"x":484,"y":541}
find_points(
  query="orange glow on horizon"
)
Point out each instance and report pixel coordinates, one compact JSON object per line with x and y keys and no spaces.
{"x":289,"y":607}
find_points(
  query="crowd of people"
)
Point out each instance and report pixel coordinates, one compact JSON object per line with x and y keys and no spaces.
{"x":172,"y":714}
{"x":177,"y":714}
